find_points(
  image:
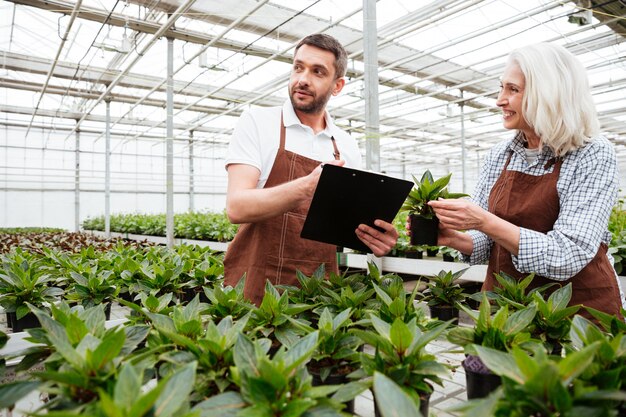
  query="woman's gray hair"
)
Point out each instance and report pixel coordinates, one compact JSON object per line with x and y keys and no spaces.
{"x":557,"y":100}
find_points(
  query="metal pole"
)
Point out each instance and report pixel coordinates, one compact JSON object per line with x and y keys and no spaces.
{"x":192,"y":206}
{"x":77,"y":182}
{"x":370,"y":58}
{"x":169,"y":141}
{"x":107,"y":172}
{"x":463,"y":151}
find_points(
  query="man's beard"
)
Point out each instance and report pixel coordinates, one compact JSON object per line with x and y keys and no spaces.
{"x":316,"y":106}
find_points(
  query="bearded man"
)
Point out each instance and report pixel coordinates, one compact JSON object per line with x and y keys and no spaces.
{"x":274,"y":163}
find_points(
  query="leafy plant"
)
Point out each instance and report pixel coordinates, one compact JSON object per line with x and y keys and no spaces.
{"x":540,"y":386}
{"x":608,"y":369}
{"x":512,"y":292}
{"x":92,"y":287}
{"x":425,"y":190}
{"x":337,"y":349}
{"x":400,"y":354}
{"x":396,"y":302}
{"x":81,"y":356}
{"x":443,"y":289}
{"x":227,"y":301}
{"x":276,"y":318}
{"x":279,"y":386}
{"x":502,"y":331}
{"x":23,"y":279}
{"x":554,"y":318}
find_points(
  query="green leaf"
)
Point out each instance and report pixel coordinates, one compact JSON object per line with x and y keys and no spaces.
{"x":576,"y":362}
{"x":500,"y":363}
{"x":400,"y":335}
{"x":391,"y":400}
{"x":108,"y":349}
{"x":177,"y":389}
{"x":14,"y":391}
{"x":226,"y":404}
{"x":58,"y":338}
{"x":301,"y":352}
{"x":128,"y":387}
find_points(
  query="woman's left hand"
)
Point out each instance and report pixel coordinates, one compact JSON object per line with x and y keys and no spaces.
{"x":380,"y":242}
{"x":459,"y":214}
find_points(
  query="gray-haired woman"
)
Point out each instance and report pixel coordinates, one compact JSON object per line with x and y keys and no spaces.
{"x":543,"y":198}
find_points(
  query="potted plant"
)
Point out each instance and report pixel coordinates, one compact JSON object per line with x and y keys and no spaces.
{"x":337,"y":352}
{"x":424,"y":222}
{"x":24,"y":279}
{"x":275,"y":319}
{"x":554,"y":318}
{"x":513,"y":292}
{"x":91,"y":288}
{"x":400,"y":353}
{"x":449,"y":254}
{"x":444,"y":295}
{"x":274,"y":386}
{"x":227,"y":301}
{"x":542,"y":385}
{"x":502,"y":332}
{"x":608,"y":370}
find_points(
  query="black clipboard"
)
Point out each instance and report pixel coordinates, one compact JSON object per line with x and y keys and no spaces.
{"x":345,"y":198}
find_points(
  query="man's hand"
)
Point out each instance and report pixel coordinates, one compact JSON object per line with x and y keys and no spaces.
{"x":379,"y":242}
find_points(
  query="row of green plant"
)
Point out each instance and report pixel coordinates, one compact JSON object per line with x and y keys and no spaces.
{"x":191,"y":225}
{"x":91,"y":277}
{"x":12,"y":230}
{"x":241,"y":359}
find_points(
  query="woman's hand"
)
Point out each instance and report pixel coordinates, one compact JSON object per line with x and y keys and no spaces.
{"x":380,"y":242}
{"x":459,"y":214}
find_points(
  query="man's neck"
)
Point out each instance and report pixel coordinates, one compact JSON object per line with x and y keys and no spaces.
{"x":316,"y":121}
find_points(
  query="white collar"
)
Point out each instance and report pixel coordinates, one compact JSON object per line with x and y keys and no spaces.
{"x":290,"y":118}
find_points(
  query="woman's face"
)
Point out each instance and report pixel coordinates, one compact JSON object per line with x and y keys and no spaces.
{"x":510,"y":99}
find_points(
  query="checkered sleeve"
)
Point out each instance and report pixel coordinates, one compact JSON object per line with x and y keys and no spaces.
{"x":587,"y":193}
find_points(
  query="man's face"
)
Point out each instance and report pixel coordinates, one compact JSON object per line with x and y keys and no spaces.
{"x":312,"y":79}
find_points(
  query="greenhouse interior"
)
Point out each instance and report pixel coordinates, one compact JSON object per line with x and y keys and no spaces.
{"x":129,"y":287}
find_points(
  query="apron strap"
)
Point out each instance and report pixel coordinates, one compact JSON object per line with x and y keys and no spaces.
{"x":282,"y":132}
{"x":336,"y":153}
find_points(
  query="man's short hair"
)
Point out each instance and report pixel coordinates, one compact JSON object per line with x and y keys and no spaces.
{"x":328,"y":43}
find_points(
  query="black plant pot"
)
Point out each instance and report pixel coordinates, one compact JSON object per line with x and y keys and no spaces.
{"x":424,"y":231}
{"x":479,"y":384}
{"x":448,"y":258}
{"x":432,"y":252}
{"x":444,"y":313}
{"x":29,"y":321}
{"x":333,"y":380}
{"x":413,"y":254}
{"x":189,"y":294}
{"x":424,"y":405}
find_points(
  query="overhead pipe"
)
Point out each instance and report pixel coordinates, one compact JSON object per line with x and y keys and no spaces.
{"x":164,"y":28}
{"x":54,"y":62}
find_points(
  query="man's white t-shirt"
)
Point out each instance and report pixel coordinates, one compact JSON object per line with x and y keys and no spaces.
{"x":256,"y":139}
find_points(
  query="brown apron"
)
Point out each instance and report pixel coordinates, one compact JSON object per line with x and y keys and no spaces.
{"x":272,"y":249}
{"x":532,"y":202}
